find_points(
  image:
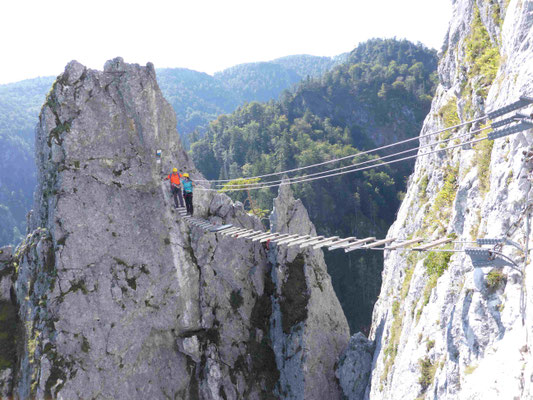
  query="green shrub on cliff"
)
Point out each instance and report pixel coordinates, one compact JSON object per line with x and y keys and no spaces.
{"x":449,"y":116}
{"x":427,"y":373}
{"x":436,"y":263}
{"x":482,"y":56}
{"x":495,"y":278}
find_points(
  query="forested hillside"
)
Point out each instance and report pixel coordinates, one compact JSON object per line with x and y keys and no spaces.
{"x":313,"y":66}
{"x":379,"y":95}
{"x":196,"y":97}
{"x":264,"y":81}
{"x":199,"y":98}
{"x":19,"y":108}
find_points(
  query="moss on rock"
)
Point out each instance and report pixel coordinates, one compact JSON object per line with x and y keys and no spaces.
{"x":8,"y":329}
{"x":235,"y":299}
{"x":295,"y":296}
{"x":482,"y":56}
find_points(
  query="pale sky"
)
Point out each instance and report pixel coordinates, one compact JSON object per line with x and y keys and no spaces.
{"x":39,"y":37}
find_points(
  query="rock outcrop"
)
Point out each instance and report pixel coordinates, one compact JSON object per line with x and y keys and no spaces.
{"x":117,"y":297}
{"x":444,"y":329}
{"x":8,"y":323}
{"x":309,"y":329}
{"x":354,"y":366}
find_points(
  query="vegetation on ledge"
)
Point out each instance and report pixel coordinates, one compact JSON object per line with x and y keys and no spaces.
{"x":482,"y":56}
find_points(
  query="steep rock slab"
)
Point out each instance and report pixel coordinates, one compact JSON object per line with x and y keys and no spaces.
{"x":233,"y":354}
{"x":442,"y":328}
{"x":104,"y":286}
{"x":309,"y":330}
{"x":354,"y":367}
{"x":8,"y":323}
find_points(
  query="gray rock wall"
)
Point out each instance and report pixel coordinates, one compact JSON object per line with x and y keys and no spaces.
{"x":442,"y":328}
{"x":354,"y":367}
{"x":309,"y":329}
{"x":8,"y":323}
{"x":119,"y":298}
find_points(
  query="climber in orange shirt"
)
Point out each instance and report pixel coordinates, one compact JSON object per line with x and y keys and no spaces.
{"x":175,"y":187}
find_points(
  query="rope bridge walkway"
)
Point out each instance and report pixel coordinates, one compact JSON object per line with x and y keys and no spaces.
{"x":481,"y":257}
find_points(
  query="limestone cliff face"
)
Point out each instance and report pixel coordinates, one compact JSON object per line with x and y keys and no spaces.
{"x":309,"y":329}
{"x":442,"y":328}
{"x":8,"y":323}
{"x":119,"y":298}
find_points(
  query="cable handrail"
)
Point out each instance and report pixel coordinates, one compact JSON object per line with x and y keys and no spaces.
{"x":251,"y":185}
{"x":521,"y":103}
{"x":353,"y":155}
{"x":289,"y":182}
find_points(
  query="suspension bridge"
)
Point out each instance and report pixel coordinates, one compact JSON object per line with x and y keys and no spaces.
{"x":480,"y":256}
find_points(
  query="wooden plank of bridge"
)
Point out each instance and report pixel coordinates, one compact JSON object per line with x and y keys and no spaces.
{"x":248,"y":235}
{"x":273,"y":240}
{"x":324,"y":242}
{"x":311,"y":242}
{"x":403,"y":244}
{"x":433,"y":244}
{"x":378,"y":243}
{"x":257,"y":234}
{"x":293,"y":239}
{"x":357,"y":244}
{"x":280,"y":240}
{"x":220,"y":228}
{"x":297,"y":239}
{"x":238,"y":234}
{"x":283,"y":236}
{"x":303,"y":241}
{"x":336,"y":244}
{"x":231,"y":230}
{"x":267,"y":236}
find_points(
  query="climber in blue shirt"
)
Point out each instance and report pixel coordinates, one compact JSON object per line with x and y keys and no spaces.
{"x":187,"y":192}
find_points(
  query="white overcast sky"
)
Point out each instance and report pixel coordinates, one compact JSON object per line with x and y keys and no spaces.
{"x":39,"y":37}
